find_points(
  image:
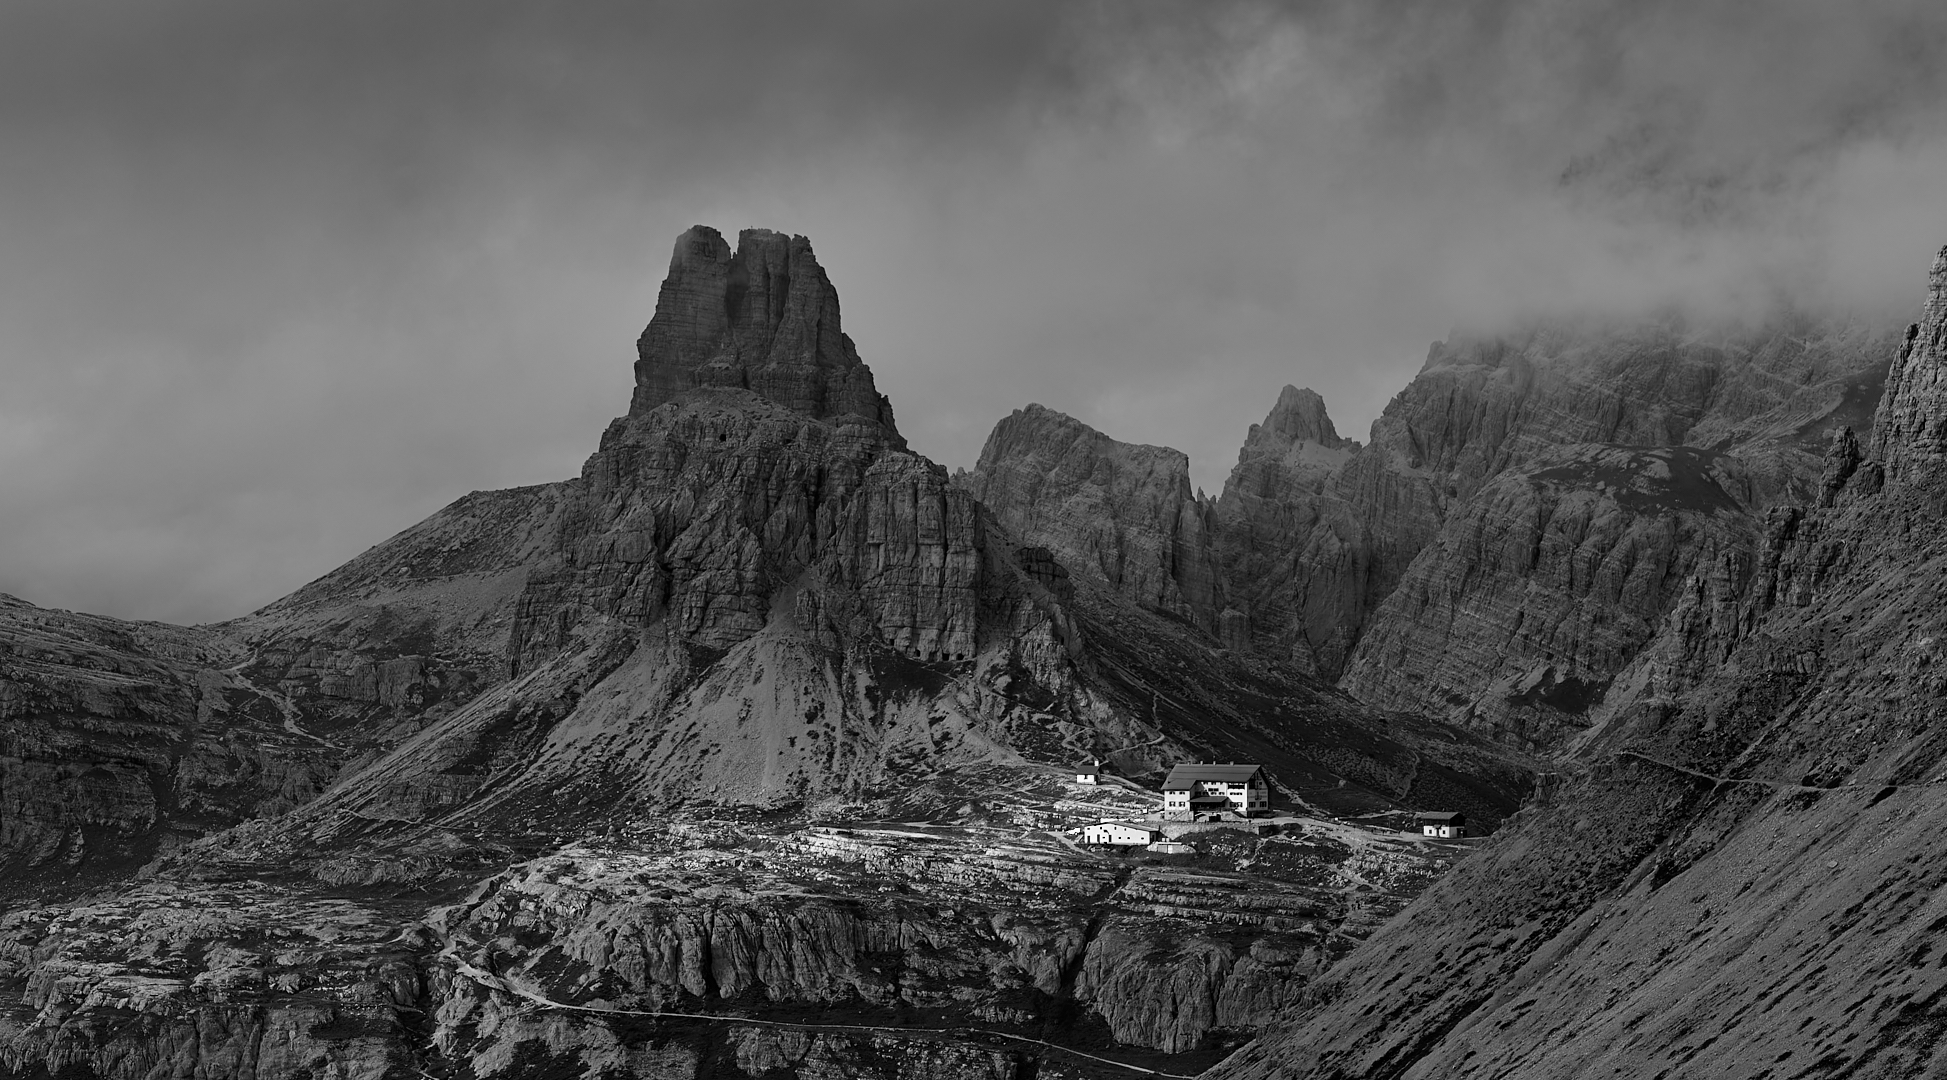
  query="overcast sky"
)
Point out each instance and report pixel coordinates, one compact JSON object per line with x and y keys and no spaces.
{"x":278,"y":280}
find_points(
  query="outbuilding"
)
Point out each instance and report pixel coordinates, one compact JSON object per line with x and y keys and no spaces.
{"x":1121,"y":834}
{"x":1443,"y":826}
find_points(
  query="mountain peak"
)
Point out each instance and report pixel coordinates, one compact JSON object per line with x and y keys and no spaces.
{"x":1296,"y":444}
{"x":1122,"y":514}
{"x":1299,"y":416}
{"x":763,"y":318}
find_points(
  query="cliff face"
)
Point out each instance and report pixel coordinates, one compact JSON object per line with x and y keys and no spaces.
{"x":1554,"y":445}
{"x":764,"y":319}
{"x":1291,"y":551}
{"x":1737,"y":884}
{"x":1910,"y":432}
{"x":1548,"y":582}
{"x":1294,"y":453}
{"x":1115,"y":512}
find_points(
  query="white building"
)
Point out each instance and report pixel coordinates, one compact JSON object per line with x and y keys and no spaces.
{"x":1121,"y":834}
{"x":1210,"y":788}
{"x":1443,"y":826}
{"x":1088,"y":774}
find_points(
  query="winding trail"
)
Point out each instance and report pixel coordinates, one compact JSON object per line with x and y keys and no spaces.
{"x":285,"y":705}
{"x":290,"y":710}
{"x":1780,"y":785}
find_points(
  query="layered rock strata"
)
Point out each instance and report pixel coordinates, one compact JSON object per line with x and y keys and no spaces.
{"x":1288,"y":547}
{"x":1769,"y":396}
{"x":1678,"y":445}
{"x":1547,"y":583}
{"x":763,"y":319}
{"x":918,"y":951}
{"x":1119,"y":513}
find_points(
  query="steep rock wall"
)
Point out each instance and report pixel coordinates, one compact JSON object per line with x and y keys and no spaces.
{"x":1292,"y":554}
{"x":1910,"y":434}
{"x":764,"y":319}
{"x":1546,"y":584}
{"x":1119,"y":513}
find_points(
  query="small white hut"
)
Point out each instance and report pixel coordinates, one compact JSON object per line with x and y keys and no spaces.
{"x":1121,"y":834}
{"x":1443,"y":826}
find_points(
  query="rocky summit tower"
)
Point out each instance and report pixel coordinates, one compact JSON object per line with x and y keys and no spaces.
{"x":763,"y":319}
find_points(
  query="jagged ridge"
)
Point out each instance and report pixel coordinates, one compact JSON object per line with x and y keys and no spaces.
{"x":1738,"y":884}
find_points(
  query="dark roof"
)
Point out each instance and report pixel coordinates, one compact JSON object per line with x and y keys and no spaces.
{"x":1444,"y":818}
{"x":1210,"y":800}
{"x":1182,"y":776}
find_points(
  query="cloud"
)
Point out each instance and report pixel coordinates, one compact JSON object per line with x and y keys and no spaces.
{"x":278,"y":280}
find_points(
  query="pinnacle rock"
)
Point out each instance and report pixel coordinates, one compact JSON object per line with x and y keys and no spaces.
{"x":764,"y":319}
{"x":1910,"y":430}
{"x":1299,"y":416}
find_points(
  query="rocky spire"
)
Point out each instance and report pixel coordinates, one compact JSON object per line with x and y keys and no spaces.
{"x":1910,"y":429}
{"x":763,"y":319}
{"x":1299,"y":416}
{"x":1295,"y":448}
{"x":1841,"y":462}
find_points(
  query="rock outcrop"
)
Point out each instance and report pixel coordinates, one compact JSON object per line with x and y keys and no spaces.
{"x":1667,"y":450}
{"x":1295,"y":451}
{"x":904,"y":948}
{"x":763,"y":319}
{"x":1119,"y":513}
{"x":1910,"y":433}
{"x":1544,"y":586}
{"x":1290,"y":550}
